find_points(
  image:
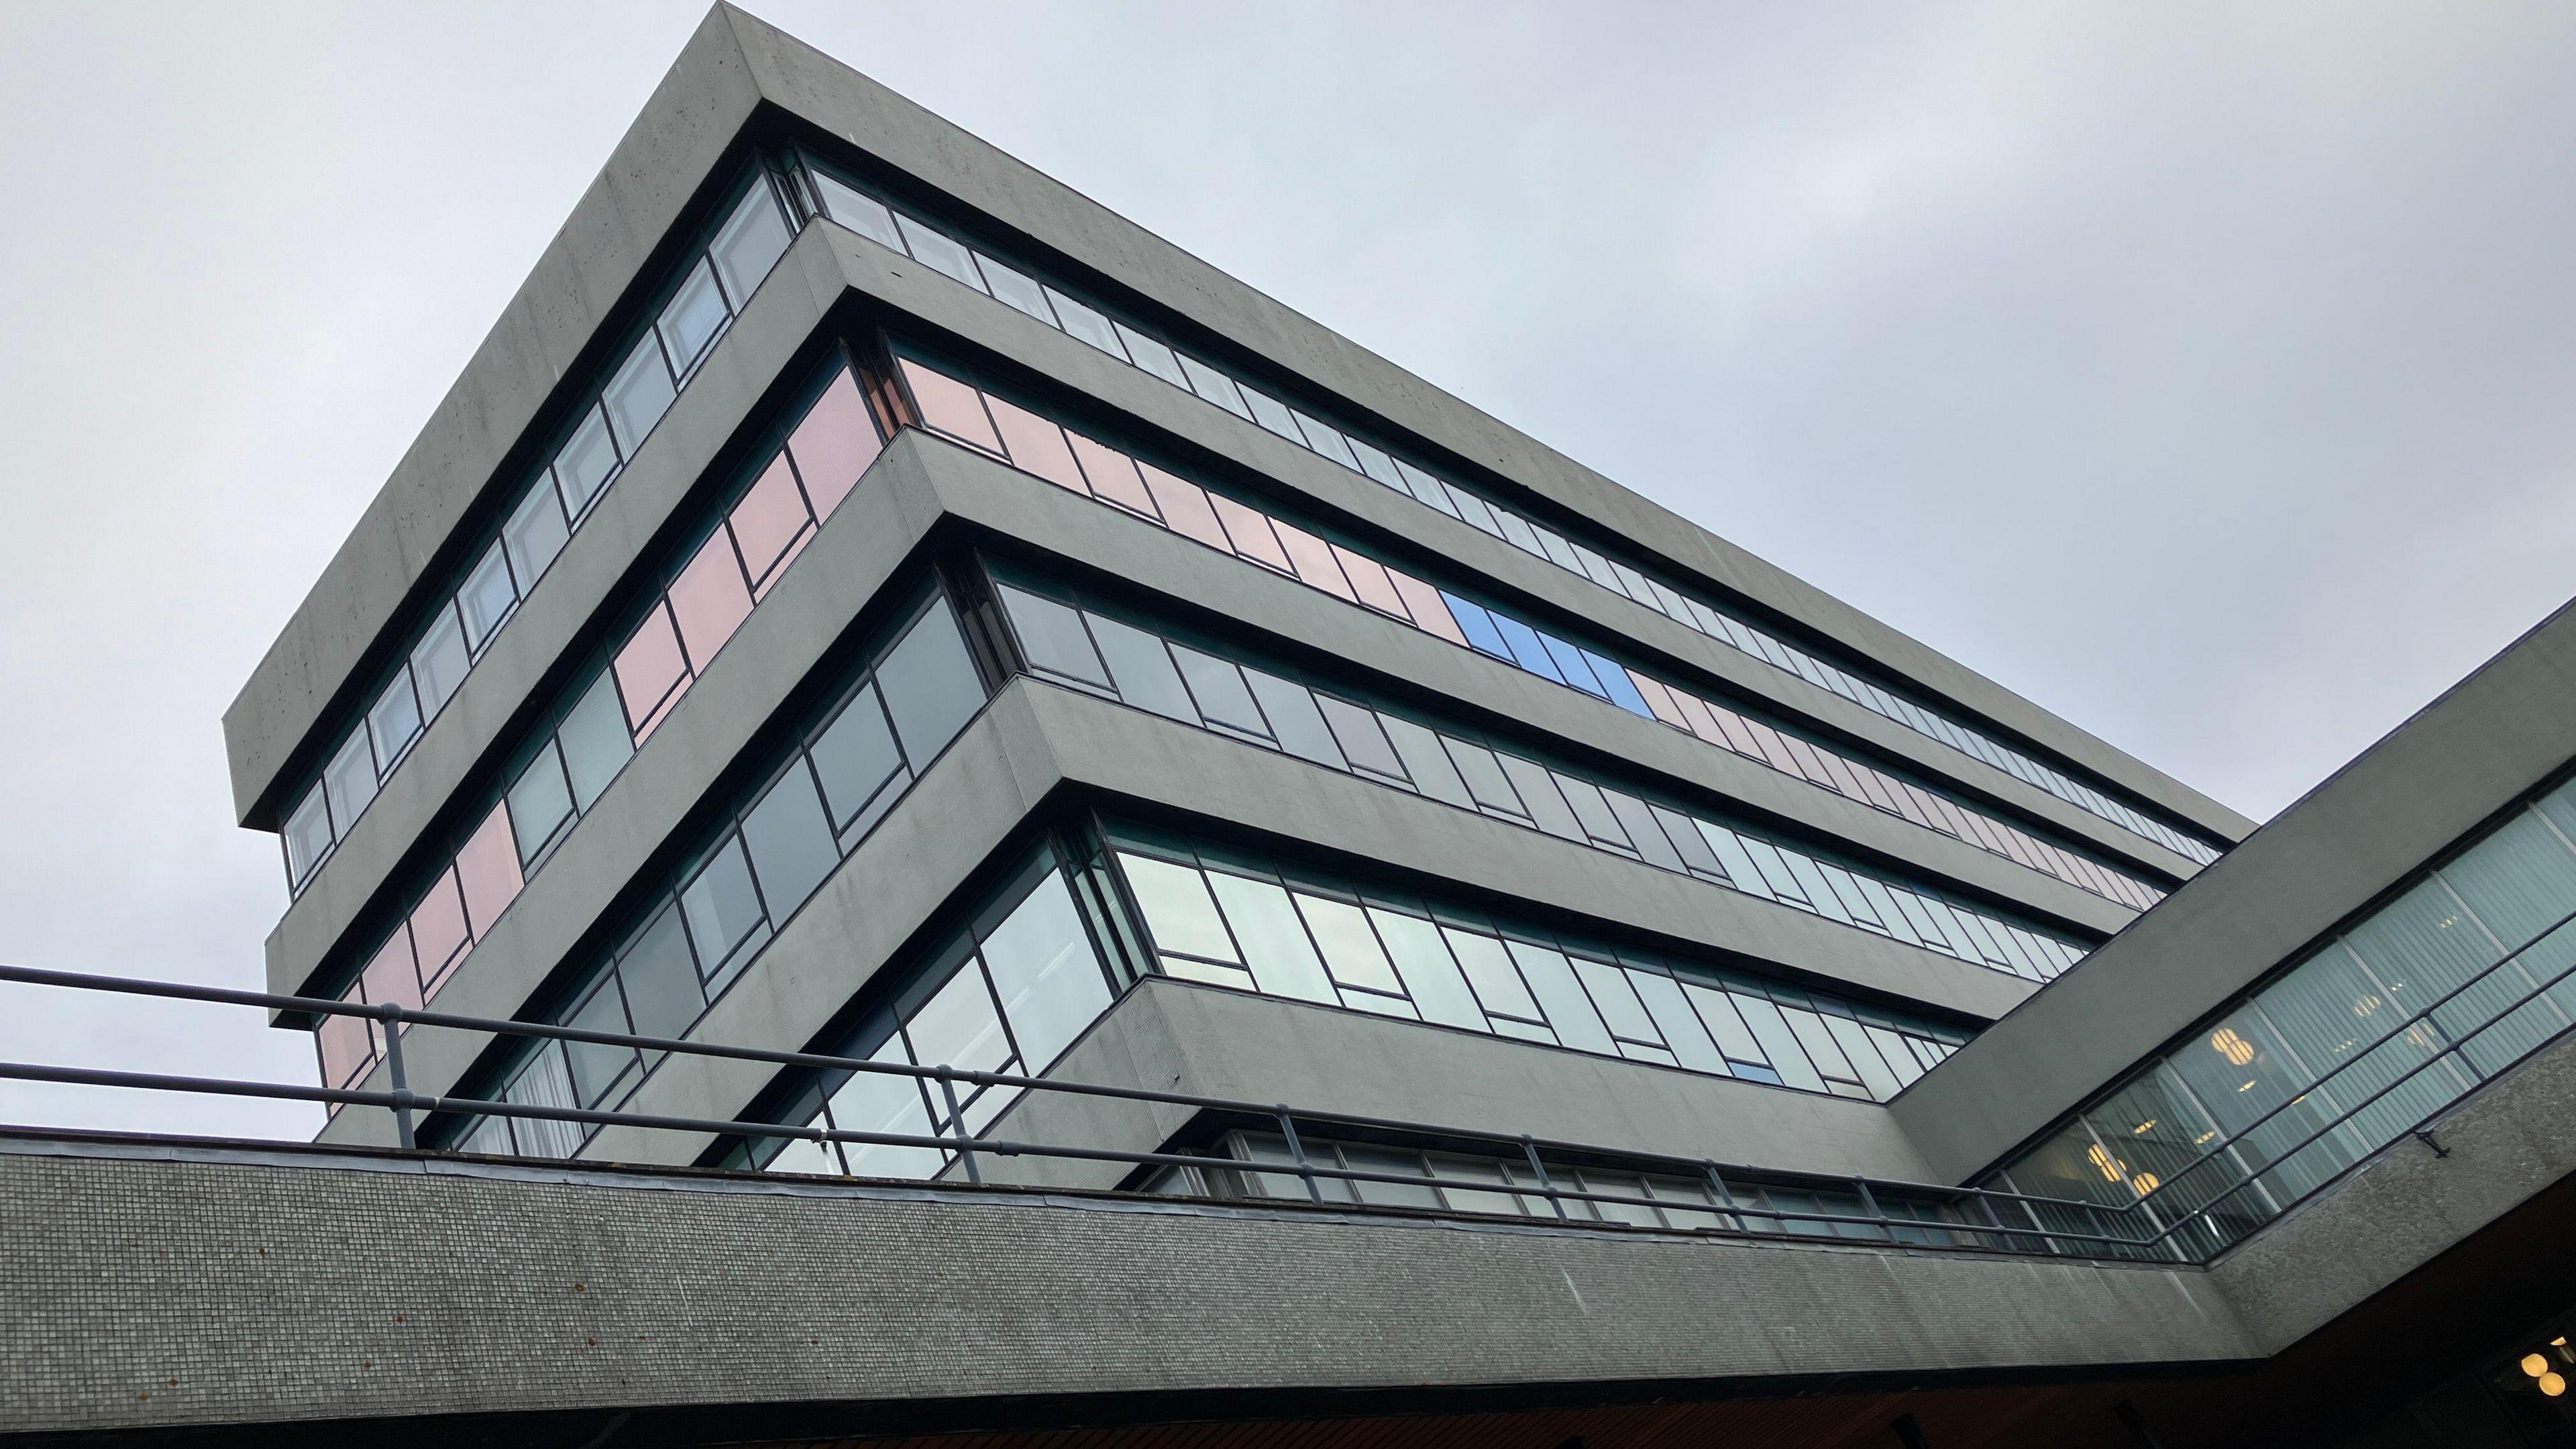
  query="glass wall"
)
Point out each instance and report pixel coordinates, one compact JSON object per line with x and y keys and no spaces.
{"x":1100,"y":654}
{"x":935,"y":247}
{"x":2458,"y":977}
{"x":1076,"y":462}
{"x":714,"y":285}
{"x":1233,"y":919}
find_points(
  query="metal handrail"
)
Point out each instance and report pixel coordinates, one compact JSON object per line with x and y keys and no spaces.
{"x":404,"y":1104}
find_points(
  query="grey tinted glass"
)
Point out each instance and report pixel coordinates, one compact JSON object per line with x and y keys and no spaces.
{"x":595,"y":741}
{"x":439,"y":662}
{"x":1431,"y":977}
{"x":1086,"y":324}
{"x":1360,"y":737}
{"x":722,"y":907}
{"x":791,"y":844}
{"x":395,"y":718}
{"x":1015,"y":289}
{"x":1152,"y":356}
{"x":892,"y":1105}
{"x":535,"y":533}
{"x":1538,"y":792}
{"x":957,"y":1026}
{"x":1215,"y":386}
{"x":1141,"y":671}
{"x":350,"y":782}
{"x":637,"y":396}
{"x":1293,"y":719}
{"x":1484,"y":776}
{"x":933,"y":249}
{"x":862,"y":214}
{"x":1642,"y":830}
{"x":856,"y":756}
{"x":539,"y":803}
{"x":1053,"y":637}
{"x":1274,"y":415}
{"x":1177,"y":908}
{"x":1323,"y":439}
{"x":588,"y":457}
{"x":693,"y":318}
{"x":1426,"y":763}
{"x":1049,"y":981}
{"x":486,"y":598}
{"x":661,"y":981}
{"x":596,"y":1068}
{"x":930,"y":685}
{"x":1218,"y":687}
{"x":750,"y":243}
{"x":1551,"y":980}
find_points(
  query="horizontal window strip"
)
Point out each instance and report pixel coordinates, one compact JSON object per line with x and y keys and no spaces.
{"x":936,"y":248}
{"x":716,"y":282}
{"x":612,"y":712}
{"x":1079,"y":464}
{"x":1093,"y":651}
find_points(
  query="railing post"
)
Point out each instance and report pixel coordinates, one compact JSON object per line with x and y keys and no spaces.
{"x":957,"y":1120}
{"x":1529,"y":1147}
{"x":1986,"y":1205}
{"x":1297,"y":1154}
{"x":1726,"y":1195}
{"x":403,"y":1134}
{"x":1869,"y":1201}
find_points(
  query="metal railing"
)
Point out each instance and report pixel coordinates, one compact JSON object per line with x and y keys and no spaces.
{"x":1966,"y":1219}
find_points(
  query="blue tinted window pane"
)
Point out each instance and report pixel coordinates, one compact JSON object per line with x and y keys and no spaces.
{"x":1623,"y":692}
{"x":1477,"y":625}
{"x":1572,"y":666}
{"x":930,"y":685}
{"x":1525,"y":649}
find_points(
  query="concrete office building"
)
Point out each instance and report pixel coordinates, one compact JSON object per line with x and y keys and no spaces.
{"x":866,"y":601}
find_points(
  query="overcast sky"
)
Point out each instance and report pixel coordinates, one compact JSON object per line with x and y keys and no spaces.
{"x":2201,"y":372}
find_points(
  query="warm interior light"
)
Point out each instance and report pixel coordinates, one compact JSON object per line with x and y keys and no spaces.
{"x":2145,"y":1182}
{"x":2552,"y":1385}
{"x":2103,"y":1162}
{"x":2148,"y":1125}
{"x":2236,"y":1049}
{"x":2534,"y":1365}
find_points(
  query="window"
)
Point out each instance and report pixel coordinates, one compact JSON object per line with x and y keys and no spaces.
{"x":855,"y":756}
{"x":440,"y":661}
{"x":791,"y":844}
{"x":723,"y":911}
{"x":582,"y":469}
{"x":535,"y":533}
{"x":931,"y":687}
{"x":487,"y":598}
{"x":692,"y":319}
{"x":750,"y":243}
{"x":637,"y":396}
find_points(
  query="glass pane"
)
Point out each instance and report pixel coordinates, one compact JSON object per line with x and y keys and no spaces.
{"x":1425,"y":762}
{"x":957,"y":1027}
{"x":1141,"y":670}
{"x":710,"y":600}
{"x":539,"y":803}
{"x":1617,"y":1001}
{"x":1325,"y":440}
{"x":2521,"y":880}
{"x":1538,"y":791}
{"x":439,"y":662}
{"x":308,"y":832}
{"x":543,"y":1082}
{"x":391,"y":978}
{"x":1215,"y":386}
{"x":650,"y":670}
{"x":394,"y":721}
{"x":1185,"y":508}
{"x":951,"y":407}
{"x":661,"y":980}
{"x":1250,"y":533}
{"x":1683,"y":1032}
{"x":1152,"y":356}
{"x":1313,"y":560}
{"x":1489,"y":969}
{"x":535,"y":533}
{"x":596,"y":742}
{"x":834,"y":444}
{"x":350,"y":782}
{"x":750,"y":243}
{"x":1050,"y":982}
{"x":1684,"y":835}
{"x":487,"y":597}
{"x":770,"y":523}
{"x":2332,"y":1015}
{"x":791,"y":844}
{"x":597,"y":1067}
{"x":1084,"y":323}
{"x":1177,"y":908}
{"x":1015,"y":289}
{"x":1431,"y":978}
{"x":933,"y":249}
{"x":871,"y":1102}
{"x":1272,"y":414}
{"x":1350,"y":948}
{"x":1552,"y":981}
{"x":855,"y":757}
{"x":1294,"y":721}
{"x":487,"y":869}
{"x":2239,"y":1071}
{"x":1647,"y":836}
{"x":1274,"y":944}
{"x":588,"y":458}
{"x":1036,"y":445}
{"x":1356,"y":730}
{"x":1717,"y":1011}
{"x":637,"y":396}
{"x":438,"y":931}
{"x":1052,"y":637}
{"x":1112,"y":475}
{"x":1484,"y":777}
{"x":859,"y":212}
{"x":930,"y":684}
{"x":693,"y":318}
{"x":723,"y":911}
{"x":1218,"y":688}
{"x":1430,"y":612}
{"x":1863,"y":1055}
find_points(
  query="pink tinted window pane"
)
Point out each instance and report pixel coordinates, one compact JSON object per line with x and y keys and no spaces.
{"x":1429,"y":614}
{"x":1909,"y":803}
{"x":1659,"y":699}
{"x":770,"y":523}
{"x":951,"y":407}
{"x":1185,"y":507}
{"x":1696,"y":717}
{"x":1766,"y":743}
{"x":1810,"y":768}
{"x":1370,"y":582}
{"x":488,"y":868}
{"x":1875,"y":786}
{"x":1113,"y":475}
{"x":649,"y":671}
{"x":1313,"y":559}
{"x":346,"y":1046}
{"x":1249,"y":532}
{"x":709,"y":600}
{"x":1036,"y":445}
{"x":391,"y":976}
{"x":438,"y":933}
{"x":1936,"y":812}
{"x":1738,"y":732}
{"x":834,"y":445}
{"x":2020,"y":847}
{"x":1845,"y":779}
